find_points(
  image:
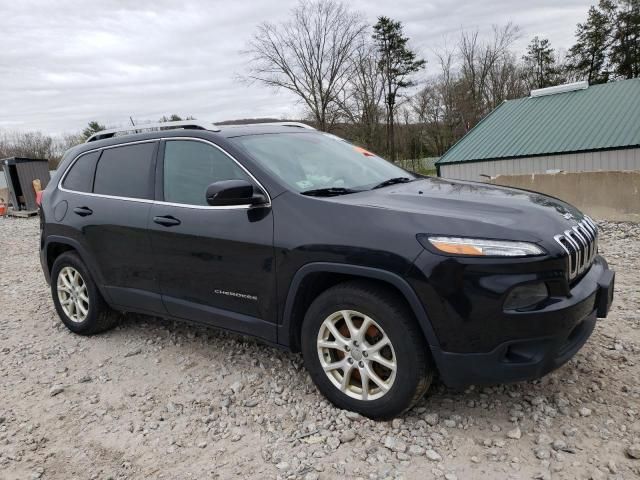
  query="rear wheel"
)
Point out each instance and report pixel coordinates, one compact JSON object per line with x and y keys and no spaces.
{"x":364,"y":350}
{"x":77,"y":299}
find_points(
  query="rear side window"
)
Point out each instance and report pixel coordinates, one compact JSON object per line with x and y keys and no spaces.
{"x":80,"y":176}
{"x":126,"y":171}
{"x":190,"y":167}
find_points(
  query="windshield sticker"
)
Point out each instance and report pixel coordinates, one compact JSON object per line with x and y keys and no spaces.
{"x":366,"y":153}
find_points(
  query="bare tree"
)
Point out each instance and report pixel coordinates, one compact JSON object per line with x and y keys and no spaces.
{"x":506,"y":81}
{"x":361,"y":100}
{"x":38,"y":145}
{"x":430,"y":113}
{"x":474,"y":78}
{"x":25,"y":144}
{"x":309,"y":55}
{"x":63,"y":143}
{"x":478,"y":60}
{"x":436,"y":106}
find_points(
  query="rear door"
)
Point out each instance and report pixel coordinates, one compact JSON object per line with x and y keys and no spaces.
{"x":214,"y":264}
{"x":110,"y":213}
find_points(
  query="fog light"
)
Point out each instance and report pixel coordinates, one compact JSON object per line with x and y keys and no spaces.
{"x":526,"y":296}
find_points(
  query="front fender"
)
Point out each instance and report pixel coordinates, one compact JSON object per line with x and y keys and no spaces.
{"x":286,"y":327}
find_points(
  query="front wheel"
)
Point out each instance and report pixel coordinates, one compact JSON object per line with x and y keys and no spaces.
{"x":364,"y":350}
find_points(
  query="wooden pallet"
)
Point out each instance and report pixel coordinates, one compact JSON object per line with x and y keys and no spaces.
{"x":22,"y":213}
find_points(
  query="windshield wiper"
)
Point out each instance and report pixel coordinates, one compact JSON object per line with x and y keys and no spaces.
{"x":328,"y":192}
{"x":392,"y":181}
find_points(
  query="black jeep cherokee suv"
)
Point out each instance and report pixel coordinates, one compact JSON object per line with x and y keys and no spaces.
{"x":379,"y":276}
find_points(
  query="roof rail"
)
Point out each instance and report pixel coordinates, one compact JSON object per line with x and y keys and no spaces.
{"x":186,"y":124}
{"x":281,"y":124}
{"x":294,"y":124}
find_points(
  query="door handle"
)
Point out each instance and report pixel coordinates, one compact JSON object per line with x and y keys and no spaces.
{"x":167,"y":221}
{"x":82,"y":211}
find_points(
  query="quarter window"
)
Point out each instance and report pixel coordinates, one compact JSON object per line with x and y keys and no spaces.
{"x":80,"y":176}
{"x":126,"y":171}
{"x":190,"y":167}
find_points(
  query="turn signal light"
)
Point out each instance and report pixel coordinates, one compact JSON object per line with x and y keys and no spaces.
{"x":481,"y":247}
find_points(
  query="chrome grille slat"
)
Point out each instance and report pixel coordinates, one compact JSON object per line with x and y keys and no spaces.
{"x":580,"y":243}
{"x":584,"y":250}
{"x":576,"y":244}
{"x":591,"y":239}
{"x":576,"y":250}
{"x":591,"y":229}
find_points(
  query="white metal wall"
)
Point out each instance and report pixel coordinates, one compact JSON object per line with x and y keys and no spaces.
{"x":610,"y":160}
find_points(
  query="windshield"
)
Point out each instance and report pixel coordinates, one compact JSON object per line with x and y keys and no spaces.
{"x":309,"y":161}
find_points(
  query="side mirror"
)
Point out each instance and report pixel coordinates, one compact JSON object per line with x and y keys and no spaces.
{"x":233,"y":192}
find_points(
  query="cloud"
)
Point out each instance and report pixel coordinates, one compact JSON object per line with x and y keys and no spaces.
{"x":66,"y":62}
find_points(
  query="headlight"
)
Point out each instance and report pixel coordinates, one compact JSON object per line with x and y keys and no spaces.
{"x":479,"y":247}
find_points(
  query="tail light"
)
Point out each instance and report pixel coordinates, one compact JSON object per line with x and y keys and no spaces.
{"x":39,"y":198}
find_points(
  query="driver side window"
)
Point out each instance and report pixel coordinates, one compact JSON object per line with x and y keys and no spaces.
{"x":191,"y":166}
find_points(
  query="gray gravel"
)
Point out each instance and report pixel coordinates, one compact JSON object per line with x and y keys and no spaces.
{"x":161,"y":399}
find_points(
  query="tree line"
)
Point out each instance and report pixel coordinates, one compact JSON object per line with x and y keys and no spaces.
{"x":52,"y":148}
{"x":366,"y":83}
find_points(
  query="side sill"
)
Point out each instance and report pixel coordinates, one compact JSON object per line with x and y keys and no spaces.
{"x":217,"y":317}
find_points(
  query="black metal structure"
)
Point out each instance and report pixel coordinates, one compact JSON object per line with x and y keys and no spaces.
{"x":20,"y":173}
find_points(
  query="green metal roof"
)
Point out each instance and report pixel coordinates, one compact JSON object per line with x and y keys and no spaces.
{"x":600,"y":117}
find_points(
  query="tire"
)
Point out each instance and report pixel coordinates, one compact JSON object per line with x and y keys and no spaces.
{"x":80,"y":306}
{"x":386,"y":315}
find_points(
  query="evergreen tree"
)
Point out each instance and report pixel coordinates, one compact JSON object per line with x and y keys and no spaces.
{"x":171,"y":118}
{"x":92,"y":128}
{"x":625,"y":47}
{"x":540,"y":64}
{"x":174,"y":117}
{"x":589,"y":55}
{"x":396,"y":64}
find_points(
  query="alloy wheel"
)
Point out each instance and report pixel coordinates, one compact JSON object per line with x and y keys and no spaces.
{"x":356,"y":355}
{"x":73,"y":294}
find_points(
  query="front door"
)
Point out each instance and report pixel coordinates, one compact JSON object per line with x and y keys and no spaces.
{"x":214,"y":264}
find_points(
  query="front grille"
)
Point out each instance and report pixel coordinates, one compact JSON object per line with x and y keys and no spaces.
{"x":581,"y":244}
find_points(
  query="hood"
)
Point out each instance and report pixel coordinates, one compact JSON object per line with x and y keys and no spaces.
{"x":455,"y":207}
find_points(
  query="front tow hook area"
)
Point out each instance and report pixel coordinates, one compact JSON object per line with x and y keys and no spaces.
{"x":604,"y":297}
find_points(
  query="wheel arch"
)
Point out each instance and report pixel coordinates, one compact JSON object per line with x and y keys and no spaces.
{"x":313,"y":278}
{"x":55,"y":246}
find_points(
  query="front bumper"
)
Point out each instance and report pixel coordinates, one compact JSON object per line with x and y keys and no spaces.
{"x":530,"y":357}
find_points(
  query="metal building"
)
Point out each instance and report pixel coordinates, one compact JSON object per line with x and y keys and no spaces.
{"x":19,"y":175}
{"x":572,"y":128}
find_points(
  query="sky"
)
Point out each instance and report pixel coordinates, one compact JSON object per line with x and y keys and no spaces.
{"x":64,"y":63}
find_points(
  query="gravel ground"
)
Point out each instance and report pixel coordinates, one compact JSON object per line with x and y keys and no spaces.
{"x":162,"y":399}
